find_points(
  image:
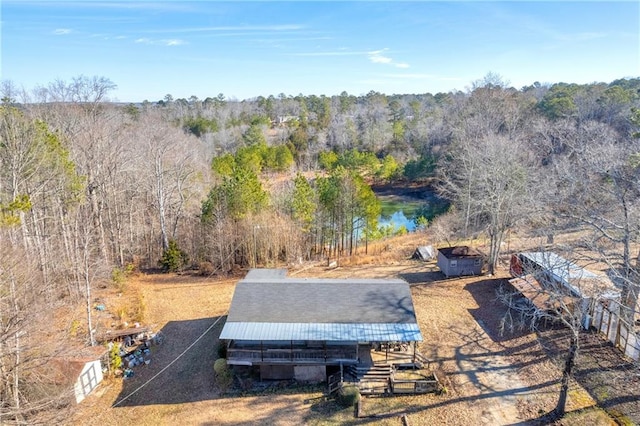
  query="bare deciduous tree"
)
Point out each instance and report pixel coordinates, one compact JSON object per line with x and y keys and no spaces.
{"x":598,"y":175}
{"x":554,"y":290}
{"x":490,"y":180}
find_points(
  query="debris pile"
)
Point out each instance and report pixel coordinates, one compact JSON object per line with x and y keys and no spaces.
{"x":133,"y":348}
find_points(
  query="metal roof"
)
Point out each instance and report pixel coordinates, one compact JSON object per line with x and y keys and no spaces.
{"x":560,"y":266}
{"x":383,"y":332}
{"x":269,"y":306}
{"x":581,"y":282}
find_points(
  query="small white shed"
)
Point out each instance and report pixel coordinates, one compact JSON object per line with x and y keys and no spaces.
{"x":82,"y":370}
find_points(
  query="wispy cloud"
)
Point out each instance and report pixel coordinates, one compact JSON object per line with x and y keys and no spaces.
{"x":375,"y":56}
{"x":544,"y":30}
{"x":378,"y":57}
{"x":582,"y":36}
{"x":62,"y":31}
{"x":174,"y":42}
{"x":279,"y":40}
{"x":157,"y":6}
{"x":163,"y":42}
{"x":340,"y":52}
{"x":246,"y":28}
{"x":419,"y":76}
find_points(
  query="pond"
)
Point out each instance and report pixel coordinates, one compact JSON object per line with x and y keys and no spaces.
{"x":399,"y":211}
{"x":402,"y":207}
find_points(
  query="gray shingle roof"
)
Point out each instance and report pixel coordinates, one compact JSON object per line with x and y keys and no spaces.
{"x":268,"y":306}
{"x":322,"y":301}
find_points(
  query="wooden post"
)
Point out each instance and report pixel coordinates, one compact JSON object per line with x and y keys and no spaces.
{"x":414,"y":355}
{"x":261,"y":352}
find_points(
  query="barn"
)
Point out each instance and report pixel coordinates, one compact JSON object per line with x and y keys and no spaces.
{"x":296,"y":328}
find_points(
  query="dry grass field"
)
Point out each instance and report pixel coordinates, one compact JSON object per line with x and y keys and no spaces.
{"x":491,"y":378}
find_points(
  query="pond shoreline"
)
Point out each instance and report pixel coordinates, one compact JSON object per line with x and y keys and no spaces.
{"x":420,"y":190}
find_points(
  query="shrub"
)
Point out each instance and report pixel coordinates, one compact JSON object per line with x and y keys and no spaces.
{"x":75,"y":328}
{"x":220,"y":366}
{"x":348,"y":396}
{"x":173,"y":258}
{"x":223,"y":374}
{"x":115,"y":361}
{"x":206,"y":268}
{"x":119,"y":279}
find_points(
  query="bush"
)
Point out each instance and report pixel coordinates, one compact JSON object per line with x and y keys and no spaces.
{"x":119,"y":279}
{"x":348,"y":396}
{"x":206,"y":268}
{"x":173,"y":258}
{"x":220,"y":366}
{"x":223,"y":374}
{"x":115,"y":361}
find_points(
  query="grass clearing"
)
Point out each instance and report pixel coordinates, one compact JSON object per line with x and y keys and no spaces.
{"x":489,"y":377}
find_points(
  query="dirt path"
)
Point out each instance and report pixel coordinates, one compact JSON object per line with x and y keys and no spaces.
{"x":490,"y":376}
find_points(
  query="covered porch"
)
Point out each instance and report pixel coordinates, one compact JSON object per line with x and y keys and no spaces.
{"x":291,"y":352}
{"x":319,"y":352}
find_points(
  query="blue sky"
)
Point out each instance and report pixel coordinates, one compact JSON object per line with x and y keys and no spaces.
{"x":246,"y":49}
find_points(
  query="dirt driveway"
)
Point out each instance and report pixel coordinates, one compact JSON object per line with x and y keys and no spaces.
{"x":492,"y":378}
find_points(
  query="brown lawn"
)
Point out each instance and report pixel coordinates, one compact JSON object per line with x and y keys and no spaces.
{"x":491,"y":378}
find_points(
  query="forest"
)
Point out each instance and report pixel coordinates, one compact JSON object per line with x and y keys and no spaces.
{"x":92,"y":189}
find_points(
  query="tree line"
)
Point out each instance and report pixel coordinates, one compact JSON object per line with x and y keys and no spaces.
{"x":89,"y":187}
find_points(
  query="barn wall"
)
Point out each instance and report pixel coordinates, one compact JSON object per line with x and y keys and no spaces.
{"x":276,"y":372}
{"x":310,"y":373}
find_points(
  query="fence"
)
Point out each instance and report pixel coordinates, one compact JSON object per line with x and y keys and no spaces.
{"x":334,"y":382}
{"x":414,"y":386}
{"x":606,"y":319}
{"x":292,"y":355}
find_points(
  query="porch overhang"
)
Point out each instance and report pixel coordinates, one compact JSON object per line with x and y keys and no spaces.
{"x":326,"y":332}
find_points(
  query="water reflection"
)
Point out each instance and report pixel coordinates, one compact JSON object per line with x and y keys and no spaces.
{"x":398,"y":219}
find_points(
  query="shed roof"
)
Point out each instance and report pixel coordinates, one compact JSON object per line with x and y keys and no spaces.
{"x":531,"y":288}
{"x":580,"y":281}
{"x":459,"y":252}
{"x":267,"y":306}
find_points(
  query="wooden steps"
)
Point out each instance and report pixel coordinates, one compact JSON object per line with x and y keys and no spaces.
{"x":373,"y":379}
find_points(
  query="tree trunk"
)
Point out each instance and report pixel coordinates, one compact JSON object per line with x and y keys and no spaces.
{"x":569,"y":362}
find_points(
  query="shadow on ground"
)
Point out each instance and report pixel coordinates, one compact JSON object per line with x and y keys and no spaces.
{"x":611,"y":379}
{"x":422,"y":277}
{"x":491,"y":311}
{"x":181,"y":368}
